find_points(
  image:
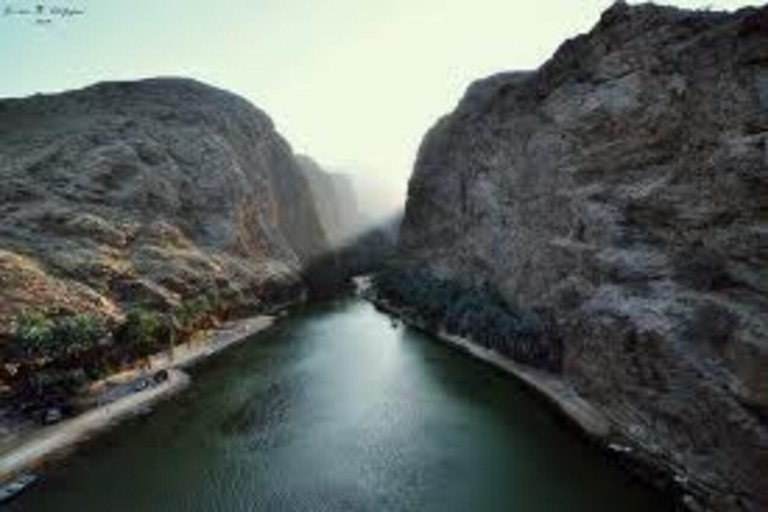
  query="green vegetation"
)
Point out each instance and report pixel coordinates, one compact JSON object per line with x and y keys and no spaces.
{"x":331,"y":275}
{"x":476,"y":313}
{"x":35,"y":335}
{"x":54,"y":356}
{"x":195,"y":312}
{"x":144,"y":332}
{"x":38,"y":337}
{"x":32,"y":334}
{"x":79,"y":332}
{"x":49,"y":358}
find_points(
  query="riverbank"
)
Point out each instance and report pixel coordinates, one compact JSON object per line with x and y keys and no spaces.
{"x":556,"y":391}
{"x":566,"y":401}
{"x":116,"y":399}
{"x":49,"y":440}
{"x":212,"y":342}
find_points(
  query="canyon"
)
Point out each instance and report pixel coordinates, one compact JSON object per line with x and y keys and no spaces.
{"x":597,"y":227}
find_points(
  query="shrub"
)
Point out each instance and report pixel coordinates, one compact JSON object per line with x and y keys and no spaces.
{"x":79,"y":332}
{"x":33,"y":334}
{"x":36,"y":335}
{"x":194,"y":311}
{"x":144,"y":332}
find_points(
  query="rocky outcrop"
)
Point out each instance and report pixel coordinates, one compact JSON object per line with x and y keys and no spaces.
{"x":335,"y":201}
{"x":149,"y":192}
{"x":621,"y":191}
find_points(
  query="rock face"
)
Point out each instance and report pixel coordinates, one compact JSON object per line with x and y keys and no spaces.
{"x":335,"y":201}
{"x":148,"y":191}
{"x":623,"y":189}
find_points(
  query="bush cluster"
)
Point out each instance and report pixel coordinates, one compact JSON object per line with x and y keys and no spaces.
{"x":476,"y":313}
{"x":144,"y":332}
{"x":36,"y":335}
{"x":194,"y":312}
{"x":55,"y":356}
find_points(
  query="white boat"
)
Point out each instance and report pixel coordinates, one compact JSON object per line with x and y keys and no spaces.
{"x":13,"y":488}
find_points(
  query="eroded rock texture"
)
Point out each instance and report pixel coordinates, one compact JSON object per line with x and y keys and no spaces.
{"x":623,"y":188}
{"x":149,"y":192}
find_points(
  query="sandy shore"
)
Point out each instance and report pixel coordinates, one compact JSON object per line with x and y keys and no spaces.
{"x":215,"y":341}
{"x":554,"y":389}
{"x":41,"y":443}
{"x":48,"y":440}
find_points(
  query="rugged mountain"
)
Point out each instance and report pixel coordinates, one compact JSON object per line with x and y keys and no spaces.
{"x":621,"y":191}
{"x":335,"y":201}
{"x":152,"y":192}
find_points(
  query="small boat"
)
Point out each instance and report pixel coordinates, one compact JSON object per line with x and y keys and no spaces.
{"x":13,"y":488}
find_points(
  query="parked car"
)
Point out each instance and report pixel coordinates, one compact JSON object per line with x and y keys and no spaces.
{"x":52,"y":415}
{"x":161,"y":376}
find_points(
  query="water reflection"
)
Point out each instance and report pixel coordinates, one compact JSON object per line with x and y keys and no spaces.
{"x":334,"y":409}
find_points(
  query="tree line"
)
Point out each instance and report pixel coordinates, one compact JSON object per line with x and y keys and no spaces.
{"x":477,"y":313}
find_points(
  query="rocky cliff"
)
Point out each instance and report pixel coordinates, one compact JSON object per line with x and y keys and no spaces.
{"x":621,"y":190}
{"x":148,"y":192}
{"x":335,"y":201}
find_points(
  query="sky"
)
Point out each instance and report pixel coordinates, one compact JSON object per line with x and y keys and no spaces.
{"x":353,"y":83}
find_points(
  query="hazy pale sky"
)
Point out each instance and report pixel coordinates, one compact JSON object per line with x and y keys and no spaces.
{"x":353,"y":83}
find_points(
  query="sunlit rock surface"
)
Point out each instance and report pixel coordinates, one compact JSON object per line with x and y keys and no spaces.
{"x":623,"y":188}
{"x":148,"y":192}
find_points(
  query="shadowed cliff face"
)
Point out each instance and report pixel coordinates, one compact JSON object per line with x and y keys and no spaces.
{"x":148,"y":191}
{"x":335,"y":201}
{"x":622,"y":189}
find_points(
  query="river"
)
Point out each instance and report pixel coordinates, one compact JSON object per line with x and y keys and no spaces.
{"x":336,"y":409}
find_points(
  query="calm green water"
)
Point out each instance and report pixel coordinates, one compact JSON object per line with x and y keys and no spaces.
{"x":335,"y":410}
